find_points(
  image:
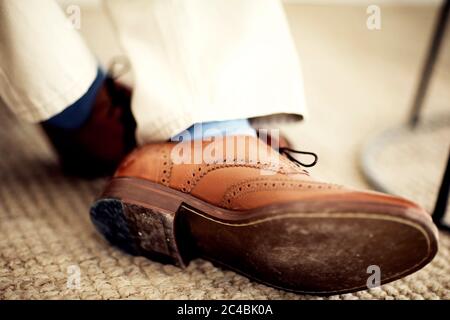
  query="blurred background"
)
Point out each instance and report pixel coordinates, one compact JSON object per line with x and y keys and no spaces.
{"x":358,"y":82}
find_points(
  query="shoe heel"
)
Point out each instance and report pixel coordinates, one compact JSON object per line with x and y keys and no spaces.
{"x":140,"y":227}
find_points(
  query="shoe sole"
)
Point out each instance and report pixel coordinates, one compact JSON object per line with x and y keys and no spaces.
{"x":319,"y":246}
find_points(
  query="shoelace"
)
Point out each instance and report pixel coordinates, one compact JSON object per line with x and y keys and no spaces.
{"x":117,"y":68}
{"x":287,"y":152}
{"x":119,"y":98}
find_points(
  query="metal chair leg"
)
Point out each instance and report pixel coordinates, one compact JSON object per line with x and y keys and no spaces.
{"x":442,"y":199}
{"x":427,"y":70}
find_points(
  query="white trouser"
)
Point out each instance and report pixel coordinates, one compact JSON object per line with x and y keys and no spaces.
{"x":192,"y":61}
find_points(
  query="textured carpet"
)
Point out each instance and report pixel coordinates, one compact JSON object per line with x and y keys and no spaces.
{"x":46,"y":234}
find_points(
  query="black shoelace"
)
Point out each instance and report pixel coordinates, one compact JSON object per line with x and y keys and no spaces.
{"x":287,"y":152}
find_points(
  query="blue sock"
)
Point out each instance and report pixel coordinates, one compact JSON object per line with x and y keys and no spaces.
{"x":203,"y":130}
{"x":75,"y":115}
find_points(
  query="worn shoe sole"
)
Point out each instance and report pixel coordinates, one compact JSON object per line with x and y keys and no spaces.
{"x":319,"y":246}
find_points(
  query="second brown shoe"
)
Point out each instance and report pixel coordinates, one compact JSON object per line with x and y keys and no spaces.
{"x":108,"y":135}
{"x":255,"y":211}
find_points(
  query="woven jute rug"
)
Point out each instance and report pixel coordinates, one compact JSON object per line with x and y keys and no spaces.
{"x":46,"y":238}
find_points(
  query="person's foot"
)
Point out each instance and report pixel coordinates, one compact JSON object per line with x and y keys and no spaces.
{"x":103,"y":140}
{"x":263,"y":217}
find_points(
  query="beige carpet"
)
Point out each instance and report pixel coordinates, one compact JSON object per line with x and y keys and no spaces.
{"x":357,"y":82}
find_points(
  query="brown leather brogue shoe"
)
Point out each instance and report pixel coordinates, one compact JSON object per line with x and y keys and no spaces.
{"x":104,"y":140}
{"x":244,"y":206}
